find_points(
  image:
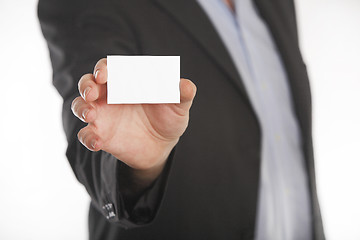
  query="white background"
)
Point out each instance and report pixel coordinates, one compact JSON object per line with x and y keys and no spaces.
{"x":40,"y":197}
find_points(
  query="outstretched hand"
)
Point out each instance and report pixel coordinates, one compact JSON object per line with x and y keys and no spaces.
{"x":140,"y":135}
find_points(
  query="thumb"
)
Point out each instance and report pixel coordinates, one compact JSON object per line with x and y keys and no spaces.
{"x":187,"y":93}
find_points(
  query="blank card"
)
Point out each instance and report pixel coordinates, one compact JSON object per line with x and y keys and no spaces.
{"x":143,"y":79}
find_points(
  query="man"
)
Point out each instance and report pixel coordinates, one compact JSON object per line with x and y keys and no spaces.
{"x":238,"y":165}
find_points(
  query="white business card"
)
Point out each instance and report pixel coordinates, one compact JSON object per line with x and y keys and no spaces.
{"x":143,"y":79}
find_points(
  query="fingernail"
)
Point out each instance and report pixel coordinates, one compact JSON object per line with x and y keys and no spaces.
{"x":86,"y":92}
{"x":85,"y":112}
{"x":93,"y":144}
{"x":96,"y":74}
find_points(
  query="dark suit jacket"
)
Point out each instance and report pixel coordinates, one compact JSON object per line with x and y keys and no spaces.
{"x":209,"y":188}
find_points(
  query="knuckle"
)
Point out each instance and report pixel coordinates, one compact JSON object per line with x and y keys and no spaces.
{"x":85,"y":79}
{"x":90,"y":115}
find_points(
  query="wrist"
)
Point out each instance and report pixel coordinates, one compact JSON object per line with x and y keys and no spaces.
{"x":147,"y":173}
{"x":144,"y":169}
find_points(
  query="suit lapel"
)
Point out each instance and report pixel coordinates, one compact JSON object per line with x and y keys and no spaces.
{"x":194,"y":20}
{"x":280,"y":18}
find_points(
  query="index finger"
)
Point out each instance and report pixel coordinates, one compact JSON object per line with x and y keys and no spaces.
{"x":100,"y":71}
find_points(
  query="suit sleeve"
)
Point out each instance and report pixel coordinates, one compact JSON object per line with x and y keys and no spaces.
{"x":78,"y":34}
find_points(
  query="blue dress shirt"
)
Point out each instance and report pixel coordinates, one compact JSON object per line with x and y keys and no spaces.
{"x":284,"y":208}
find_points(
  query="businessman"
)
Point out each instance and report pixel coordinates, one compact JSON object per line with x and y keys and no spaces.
{"x":233,"y":160}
